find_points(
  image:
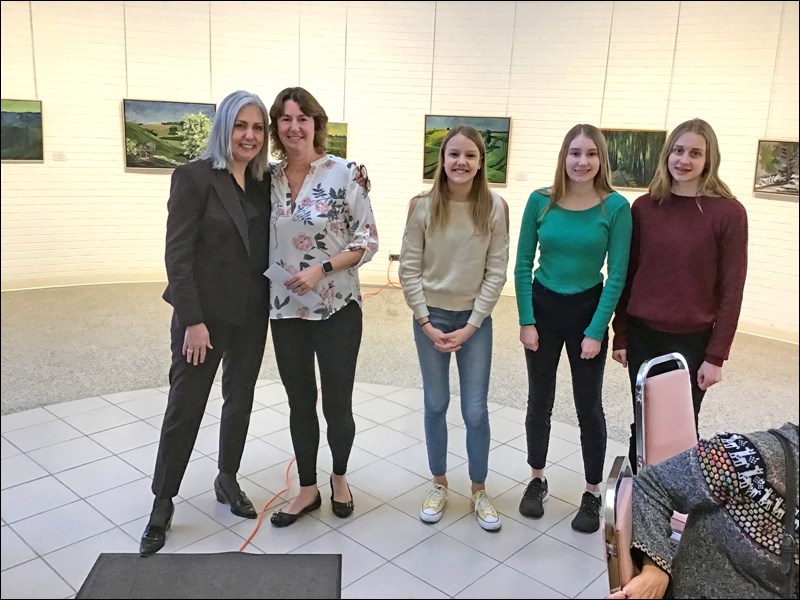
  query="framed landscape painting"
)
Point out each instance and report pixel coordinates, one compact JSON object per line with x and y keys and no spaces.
{"x":165,"y":135}
{"x":633,"y":154}
{"x":494,"y":130}
{"x":337,"y":139}
{"x":777,"y":168}
{"x":21,"y":130}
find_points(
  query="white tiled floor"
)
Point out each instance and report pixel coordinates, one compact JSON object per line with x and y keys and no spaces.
{"x":76,"y":477}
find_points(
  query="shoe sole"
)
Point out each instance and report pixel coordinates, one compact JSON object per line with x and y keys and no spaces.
{"x":426,"y":518}
{"x":585,"y":530}
{"x":490,"y":526}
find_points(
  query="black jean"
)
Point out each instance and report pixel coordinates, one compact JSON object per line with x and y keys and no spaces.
{"x":335,"y":342}
{"x":561,"y":320}
{"x":645,"y":343}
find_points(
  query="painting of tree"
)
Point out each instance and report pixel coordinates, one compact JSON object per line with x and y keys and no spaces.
{"x":165,"y":135}
{"x":633,"y":154}
{"x":777,"y":167}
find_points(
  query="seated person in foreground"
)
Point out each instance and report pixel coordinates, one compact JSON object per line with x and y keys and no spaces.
{"x":733,"y":487}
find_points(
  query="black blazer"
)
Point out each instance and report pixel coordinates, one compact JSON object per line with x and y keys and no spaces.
{"x":207,"y":247}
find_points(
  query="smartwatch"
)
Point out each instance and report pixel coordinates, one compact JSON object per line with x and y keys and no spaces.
{"x":327,"y":266}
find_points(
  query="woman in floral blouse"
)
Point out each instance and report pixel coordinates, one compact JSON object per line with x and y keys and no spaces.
{"x":323,"y":229}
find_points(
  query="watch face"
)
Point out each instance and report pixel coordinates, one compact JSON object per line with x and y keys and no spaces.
{"x":327,"y":266}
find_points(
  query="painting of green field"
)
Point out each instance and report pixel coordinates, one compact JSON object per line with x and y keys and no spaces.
{"x":633,"y":154}
{"x":165,"y":135}
{"x":21,"y":130}
{"x":337,"y":139}
{"x":494,"y":130}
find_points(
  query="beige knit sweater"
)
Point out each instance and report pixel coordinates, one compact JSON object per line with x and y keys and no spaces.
{"x":454,"y":269}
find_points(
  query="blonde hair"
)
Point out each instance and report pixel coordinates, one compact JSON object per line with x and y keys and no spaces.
{"x":710,"y":183}
{"x":479,"y":194}
{"x":602,"y":181}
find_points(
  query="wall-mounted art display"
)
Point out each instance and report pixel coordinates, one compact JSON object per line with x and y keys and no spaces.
{"x":337,"y":139}
{"x":494,"y":130}
{"x":777,"y":168}
{"x":633,"y":154}
{"x":21,"y":131}
{"x":165,"y":135}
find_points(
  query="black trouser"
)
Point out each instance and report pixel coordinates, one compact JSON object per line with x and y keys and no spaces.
{"x":335,"y":342}
{"x":645,"y":343}
{"x":561,"y":320}
{"x":240,"y":350}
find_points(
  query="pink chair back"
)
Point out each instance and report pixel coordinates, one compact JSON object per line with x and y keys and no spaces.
{"x":668,"y":416}
{"x":619,"y":524}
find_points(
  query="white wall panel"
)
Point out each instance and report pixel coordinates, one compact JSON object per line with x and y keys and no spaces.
{"x":388,"y":91}
{"x":81,"y":217}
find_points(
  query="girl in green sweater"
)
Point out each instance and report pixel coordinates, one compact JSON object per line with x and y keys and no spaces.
{"x":579,"y":224}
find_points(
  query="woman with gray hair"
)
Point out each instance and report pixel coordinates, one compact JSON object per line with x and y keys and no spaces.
{"x":216,"y":254}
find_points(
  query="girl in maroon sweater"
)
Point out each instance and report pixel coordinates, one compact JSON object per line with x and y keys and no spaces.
{"x":687,"y":265}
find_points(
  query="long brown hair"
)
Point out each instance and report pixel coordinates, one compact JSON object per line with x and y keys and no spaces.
{"x":310,"y":107}
{"x":710,"y":183}
{"x":479,"y":194}
{"x":602,"y":181}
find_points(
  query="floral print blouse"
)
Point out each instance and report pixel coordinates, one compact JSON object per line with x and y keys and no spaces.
{"x":332,"y":214}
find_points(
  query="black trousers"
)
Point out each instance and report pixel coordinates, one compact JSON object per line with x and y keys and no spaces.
{"x":560,"y":321}
{"x":240,"y":350}
{"x":335,"y":343}
{"x":645,"y":343}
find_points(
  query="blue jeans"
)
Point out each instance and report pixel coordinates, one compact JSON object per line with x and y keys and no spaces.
{"x":474,"y":364}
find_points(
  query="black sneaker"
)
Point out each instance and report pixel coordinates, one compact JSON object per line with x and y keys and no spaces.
{"x":588,"y":518}
{"x":535,"y":494}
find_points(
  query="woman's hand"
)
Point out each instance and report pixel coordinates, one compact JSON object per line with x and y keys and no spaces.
{"x":529,"y":336}
{"x":306,"y":280}
{"x":708,"y":375}
{"x":621,"y":356}
{"x":590,"y":347}
{"x":362,"y":178}
{"x":453,"y":341}
{"x":651,"y":583}
{"x":196,"y":342}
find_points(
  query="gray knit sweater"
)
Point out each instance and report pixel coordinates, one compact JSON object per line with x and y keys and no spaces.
{"x":733,"y":488}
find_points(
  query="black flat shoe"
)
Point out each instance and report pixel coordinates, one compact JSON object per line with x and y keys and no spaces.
{"x":154,"y":537}
{"x":342,"y":509}
{"x":282,"y":519}
{"x":240,"y":503}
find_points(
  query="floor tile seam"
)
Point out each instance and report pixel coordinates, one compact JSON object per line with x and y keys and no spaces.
{"x":113,"y":526}
{"x":58,"y":574}
{"x":543,"y":533}
{"x":55,"y":418}
{"x":24,"y":541}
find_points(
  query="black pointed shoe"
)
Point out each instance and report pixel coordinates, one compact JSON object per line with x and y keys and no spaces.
{"x":154,"y":537}
{"x":342,"y":509}
{"x":240,"y":503}
{"x":282,"y":519}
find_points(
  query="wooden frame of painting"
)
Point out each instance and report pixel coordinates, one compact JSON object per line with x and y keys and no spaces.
{"x":337,"y":139}
{"x":496,"y":132}
{"x":164,"y":135}
{"x":777,"y":168}
{"x":633,"y":154}
{"x":21,"y":127}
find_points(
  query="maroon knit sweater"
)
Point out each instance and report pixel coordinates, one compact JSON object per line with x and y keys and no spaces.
{"x":687,"y":269}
